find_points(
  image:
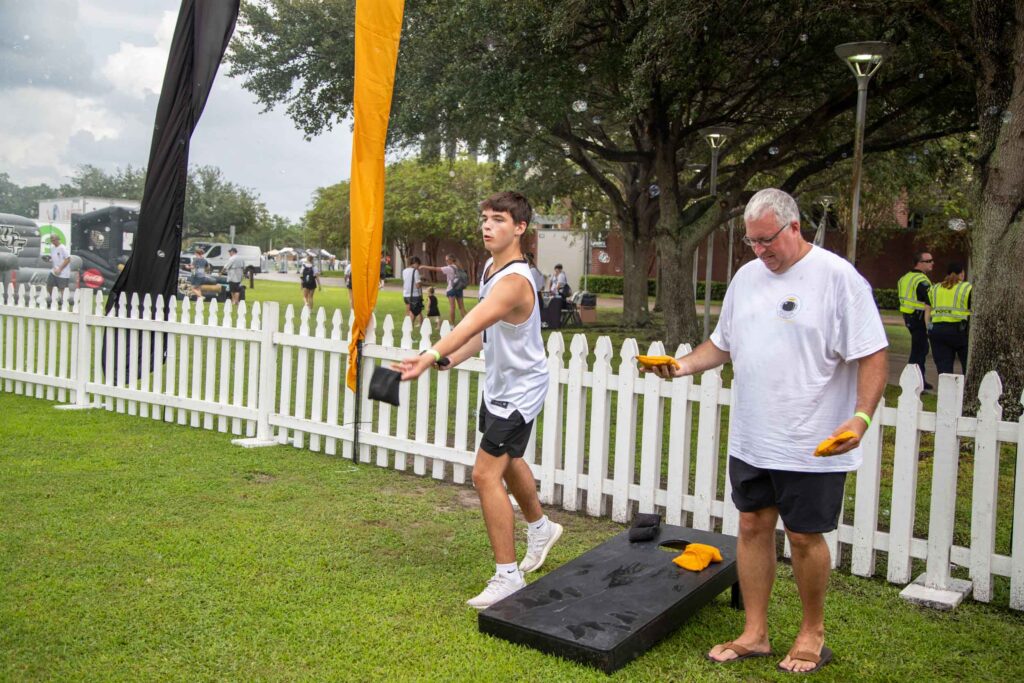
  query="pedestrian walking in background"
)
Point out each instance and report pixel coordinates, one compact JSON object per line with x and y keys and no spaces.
{"x":951,"y":311}
{"x":914,"y":305}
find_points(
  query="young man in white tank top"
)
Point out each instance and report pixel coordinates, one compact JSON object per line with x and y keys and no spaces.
{"x":506,"y":325}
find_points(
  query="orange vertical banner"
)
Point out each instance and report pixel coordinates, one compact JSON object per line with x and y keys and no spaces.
{"x":378,"y":29}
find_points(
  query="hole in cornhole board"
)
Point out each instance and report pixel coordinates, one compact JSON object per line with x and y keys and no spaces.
{"x":674,"y":547}
{"x":616,"y":601}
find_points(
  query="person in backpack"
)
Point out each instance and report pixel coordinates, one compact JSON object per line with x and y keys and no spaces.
{"x":559,"y":285}
{"x":309,"y":277}
{"x":457,"y":278}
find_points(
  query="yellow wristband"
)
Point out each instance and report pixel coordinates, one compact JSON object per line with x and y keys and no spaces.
{"x":864,"y":416}
{"x":437,"y":355}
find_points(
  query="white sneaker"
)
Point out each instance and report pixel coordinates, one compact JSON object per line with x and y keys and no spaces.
{"x":499,"y":587}
{"x":537,"y":546}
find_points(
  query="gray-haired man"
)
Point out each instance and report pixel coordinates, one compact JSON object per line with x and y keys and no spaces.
{"x":808,"y":351}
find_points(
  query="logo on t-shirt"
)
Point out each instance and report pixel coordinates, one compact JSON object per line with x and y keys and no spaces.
{"x":788,"y":307}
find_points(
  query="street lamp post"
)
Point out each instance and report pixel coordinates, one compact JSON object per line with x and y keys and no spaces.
{"x":586,"y":251}
{"x":826,"y":204}
{"x":696,"y":252}
{"x":863,"y":59}
{"x":716,"y":137}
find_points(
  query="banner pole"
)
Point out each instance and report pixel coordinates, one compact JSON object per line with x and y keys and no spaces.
{"x":359,"y":400}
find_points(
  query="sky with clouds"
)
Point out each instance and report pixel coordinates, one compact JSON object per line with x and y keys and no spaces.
{"x":79,"y":84}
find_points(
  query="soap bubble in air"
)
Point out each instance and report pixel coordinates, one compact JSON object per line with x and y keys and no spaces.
{"x":579,"y":106}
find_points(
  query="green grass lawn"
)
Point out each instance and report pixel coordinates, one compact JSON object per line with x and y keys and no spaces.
{"x":137,"y":550}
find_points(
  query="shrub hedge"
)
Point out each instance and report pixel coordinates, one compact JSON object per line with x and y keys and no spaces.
{"x":612,"y":284}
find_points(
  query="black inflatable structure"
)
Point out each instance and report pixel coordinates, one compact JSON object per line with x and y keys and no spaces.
{"x":615,"y":602}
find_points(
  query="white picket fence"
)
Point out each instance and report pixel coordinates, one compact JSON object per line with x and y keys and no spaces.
{"x":599,"y":446}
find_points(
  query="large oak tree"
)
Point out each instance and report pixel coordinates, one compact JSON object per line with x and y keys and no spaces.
{"x":623,"y":89}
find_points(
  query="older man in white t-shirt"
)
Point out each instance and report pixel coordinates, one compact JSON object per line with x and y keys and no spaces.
{"x":60,"y":266}
{"x":808,"y":351}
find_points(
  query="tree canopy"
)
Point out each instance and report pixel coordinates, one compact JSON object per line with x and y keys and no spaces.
{"x":622,"y":90}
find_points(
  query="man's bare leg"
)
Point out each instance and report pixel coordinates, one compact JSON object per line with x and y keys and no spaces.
{"x":523,"y":487}
{"x":755,"y":563}
{"x":811,"y":567}
{"x":488,"y":473}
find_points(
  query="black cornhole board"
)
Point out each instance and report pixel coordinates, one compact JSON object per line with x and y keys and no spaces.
{"x":615,"y":602}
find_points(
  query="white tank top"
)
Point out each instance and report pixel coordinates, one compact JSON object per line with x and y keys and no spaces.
{"x":515,"y":362}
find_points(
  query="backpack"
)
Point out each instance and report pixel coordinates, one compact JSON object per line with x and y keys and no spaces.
{"x":461,"y":279}
{"x":308,"y":277}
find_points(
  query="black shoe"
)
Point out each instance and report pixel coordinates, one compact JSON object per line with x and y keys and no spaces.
{"x":928,"y":387}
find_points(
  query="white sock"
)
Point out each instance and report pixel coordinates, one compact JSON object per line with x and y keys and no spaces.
{"x":507,"y":569}
{"x":540,"y":525}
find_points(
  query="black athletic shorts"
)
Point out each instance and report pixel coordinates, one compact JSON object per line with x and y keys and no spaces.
{"x":503,"y":435}
{"x":415,"y":304}
{"x":235,"y":287}
{"x":809,"y":502}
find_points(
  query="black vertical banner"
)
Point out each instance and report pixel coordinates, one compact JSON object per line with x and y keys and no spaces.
{"x":201,"y":36}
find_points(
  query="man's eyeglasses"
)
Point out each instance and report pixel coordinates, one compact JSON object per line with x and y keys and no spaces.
{"x":764,"y":241}
{"x":926,"y":260}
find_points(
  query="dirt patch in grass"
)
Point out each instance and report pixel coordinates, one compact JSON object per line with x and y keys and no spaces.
{"x":259,"y":477}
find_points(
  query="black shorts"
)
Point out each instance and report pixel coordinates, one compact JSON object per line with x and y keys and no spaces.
{"x":503,"y":435}
{"x":809,"y":502}
{"x":415,"y":304}
{"x":235,"y":287}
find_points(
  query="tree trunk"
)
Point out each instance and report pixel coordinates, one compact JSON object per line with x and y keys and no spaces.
{"x":677,"y":295}
{"x":997,"y":317}
{"x":635,"y":257}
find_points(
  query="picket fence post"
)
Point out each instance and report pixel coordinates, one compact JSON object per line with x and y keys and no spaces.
{"x":600,"y":421}
{"x":679,"y":452}
{"x":904,"y":474}
{"x":551,"y":447}
{"x":575,"y":418}
{"x":651,"y":436}
{"x":936,"y":588}
{"x":81,"y":361}
{"x":1017,"y":541}
{"x":706,"y":481}
{"x":986,"y":486}
{"x":267,"y":394}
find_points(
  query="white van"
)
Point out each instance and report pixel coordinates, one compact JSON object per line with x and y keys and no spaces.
{"x":217,"y":255}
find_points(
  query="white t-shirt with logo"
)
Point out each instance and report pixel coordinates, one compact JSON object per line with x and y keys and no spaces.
{"x":793,"y":339}
{"x":410,"y":282}
{"x":59,"y":254}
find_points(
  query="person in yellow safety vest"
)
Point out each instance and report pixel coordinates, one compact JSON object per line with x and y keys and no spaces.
{"x":951,"y":310}
{"x":913,"y":292}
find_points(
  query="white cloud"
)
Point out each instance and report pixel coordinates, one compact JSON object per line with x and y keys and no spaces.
{"x":135,"y":70}
{"x":119,"y":17}
{"x":35,"y":135}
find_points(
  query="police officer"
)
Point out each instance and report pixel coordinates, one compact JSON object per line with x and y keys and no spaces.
{"x":915,"y":307}
{"x":951,"y":308}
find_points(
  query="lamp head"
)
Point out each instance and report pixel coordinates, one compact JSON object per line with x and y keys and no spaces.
{"x":716,"y":135}
{"x":864,"y":58}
